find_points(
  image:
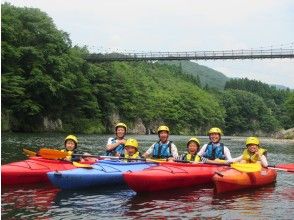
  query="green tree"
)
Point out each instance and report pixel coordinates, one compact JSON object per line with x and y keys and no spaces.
{"x":289,"y":104}
{"x":42,"y":75}
{"x":274,"y":99}
{"x":247,"y":112}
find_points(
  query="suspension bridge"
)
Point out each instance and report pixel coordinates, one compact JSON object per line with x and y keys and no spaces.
{"x":194,"y":55}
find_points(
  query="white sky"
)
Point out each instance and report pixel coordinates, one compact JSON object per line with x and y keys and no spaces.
{"x":182,"y":25}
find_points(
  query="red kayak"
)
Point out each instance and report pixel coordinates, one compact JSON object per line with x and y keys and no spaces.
{"x":230,"y":180}
{"x":169,"y":176}
{"x":33,"y":170}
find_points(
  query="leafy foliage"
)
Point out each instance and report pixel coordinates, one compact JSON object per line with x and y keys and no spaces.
{"x":45,"y":77}
{"x":42,"y":75}
{"x":247,"y":112}
{"x":290,"y":108}
{"x":274,"y":99}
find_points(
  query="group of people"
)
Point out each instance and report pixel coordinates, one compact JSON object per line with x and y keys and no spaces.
{"x":214,"y":151}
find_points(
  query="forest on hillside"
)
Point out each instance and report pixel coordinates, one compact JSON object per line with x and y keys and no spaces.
{"x":45,"y":80}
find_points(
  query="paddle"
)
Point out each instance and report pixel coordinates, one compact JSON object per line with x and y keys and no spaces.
{"x":57,"y":154}
{"x":289,"y":166}
{"x":282,"y":167}
{"x":52,"y":153}
{"x":255,"y":167}
{"x":242,"y":167}
{"x":81,"y":165}
{"x":32,"y":154}
{"x":29,"y":153}
{"x":246,"y":167}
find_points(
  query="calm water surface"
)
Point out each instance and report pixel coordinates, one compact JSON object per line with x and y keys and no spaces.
{"x":45,"y":202}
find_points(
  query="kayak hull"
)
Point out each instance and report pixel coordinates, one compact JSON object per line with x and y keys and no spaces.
{"x":31,"y":171}
{"x":103,"y":173}
{"x":170,"y":176}
{"x":231,"y":180}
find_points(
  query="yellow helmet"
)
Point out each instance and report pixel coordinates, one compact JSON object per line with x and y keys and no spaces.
{"x":195,"y":140}
{"x":71,"y":137}
{"x":132,"y":143}
{"x":215,"y":130}
{"x":252,"y":140}
{"x":162,"y":128}
{"x":121,"y":125}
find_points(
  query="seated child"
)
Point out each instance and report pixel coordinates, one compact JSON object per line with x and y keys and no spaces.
{"x":193,"y":146}
{"x":253,"y":153}
{"x":131,"y":150}
{"x":71,"y":144}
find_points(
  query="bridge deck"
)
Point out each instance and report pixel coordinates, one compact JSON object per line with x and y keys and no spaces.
{"x":196,"y":55}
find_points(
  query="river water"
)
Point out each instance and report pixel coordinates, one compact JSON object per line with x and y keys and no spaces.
{"x":45,"y":202}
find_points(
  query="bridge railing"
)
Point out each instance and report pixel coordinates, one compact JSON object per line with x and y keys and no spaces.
{"x":224,"y":54}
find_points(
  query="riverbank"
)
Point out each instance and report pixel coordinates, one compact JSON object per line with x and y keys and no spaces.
{"x":285,"y":134}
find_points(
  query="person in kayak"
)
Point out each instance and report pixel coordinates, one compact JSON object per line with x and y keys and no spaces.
{"x":215,"y":150}
{"x":71,"y":144}
{"x":253,"y":153}
{"x":115,"y":146}
{"x":193,"y":146}
{"x":131,"y":150}
{"x":163,"y":148}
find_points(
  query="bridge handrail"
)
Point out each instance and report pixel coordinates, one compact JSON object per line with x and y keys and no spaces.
{"x":212,"y":53}
{"x":198,"y":54}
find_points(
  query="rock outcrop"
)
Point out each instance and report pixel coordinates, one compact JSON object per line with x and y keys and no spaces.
{"x":52,"y":125}
{"x":284,"y":134}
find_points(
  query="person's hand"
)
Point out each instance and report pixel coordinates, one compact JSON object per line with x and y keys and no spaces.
{"x":228,"y":162}
{"x":257,"y":155}
{"x":170,"y":159}
{"x":90,"y":159}
{"x":123,"y":141}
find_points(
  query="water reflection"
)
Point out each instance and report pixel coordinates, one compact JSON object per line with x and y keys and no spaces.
{"x":173,"y":204}
{"x":104,"y":202}
{"x":30,"y":201}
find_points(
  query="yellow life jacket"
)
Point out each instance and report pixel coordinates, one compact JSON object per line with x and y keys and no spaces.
{"x":135,"y":156}
{"x":189,"y":157}
{"x":69,"y":152}
{"x":251,"y":157}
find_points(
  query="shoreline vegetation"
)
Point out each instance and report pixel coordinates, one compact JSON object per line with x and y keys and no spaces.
{"x":48,"y":86}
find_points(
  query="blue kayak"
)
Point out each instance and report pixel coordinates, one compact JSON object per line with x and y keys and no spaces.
{"x":103,"y":173}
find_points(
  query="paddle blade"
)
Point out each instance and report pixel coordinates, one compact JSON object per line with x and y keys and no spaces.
{"x":289,"y":167}
{"x":52,"y":153}
{"x":247,"y":167}
{"x":82,"y":165}
{"x":29,"y":153}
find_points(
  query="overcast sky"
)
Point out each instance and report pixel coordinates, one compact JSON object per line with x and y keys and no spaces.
{"x":182,"y":25}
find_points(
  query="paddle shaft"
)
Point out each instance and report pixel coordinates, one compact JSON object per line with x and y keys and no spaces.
{"x":280,"y":169}
{"x":109,"y":157}
{"x":56,"y":154}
